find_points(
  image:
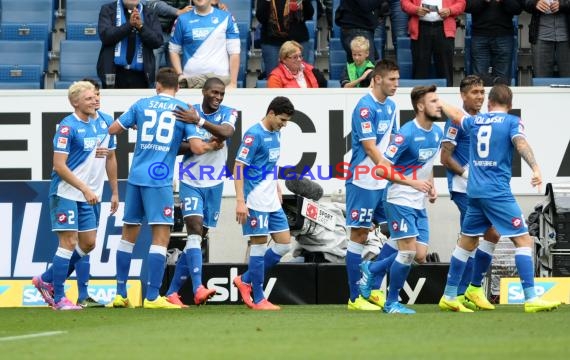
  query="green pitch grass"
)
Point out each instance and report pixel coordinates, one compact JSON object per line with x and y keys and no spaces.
{"x":296,"y":332}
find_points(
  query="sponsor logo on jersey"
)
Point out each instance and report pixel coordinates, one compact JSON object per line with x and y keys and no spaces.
{"x":382,"y":127}
{"x":366,"y":127}
{"x":364,"y":113}
{"x":274,"y":154}
{"x":89,"y":143}
{"x":200,"y":33}
{"x":64,"y":130}
{"x":248,"y":140}
{"x":398,"y":139}
{"x":426,"y":154}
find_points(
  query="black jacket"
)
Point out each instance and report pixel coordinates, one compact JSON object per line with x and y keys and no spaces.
{"x":151,"y":38}
{"x":297,"y":29}
{"x":530,"y":7}
{"x":493,"y":18}
{"x":358,"y":14}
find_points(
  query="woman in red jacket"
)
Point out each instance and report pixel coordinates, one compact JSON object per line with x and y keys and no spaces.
{"x":432,"y":31}
{"x":292,"y":71}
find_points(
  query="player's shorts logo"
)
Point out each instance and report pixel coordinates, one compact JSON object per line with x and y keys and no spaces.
{"x":354,"y":214}
{"x":61,"y":218}
{"x":167,"y":211}
{"x":517,"y":222}
{"x":253,"y":222}
{"x":395,"y":225}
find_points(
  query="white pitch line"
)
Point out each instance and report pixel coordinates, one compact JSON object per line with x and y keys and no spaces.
{"x":30,"y":336}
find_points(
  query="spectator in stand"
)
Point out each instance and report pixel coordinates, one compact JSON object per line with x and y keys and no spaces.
{"x":129,"y":31}
{"x":359,"y":72}
{"x":292,"y":71}
{"x":205,"y":43}
{"x":492,"y":32}
{"x":167,"y":12}
{"x":398,"y":22}
{"x":281,"y":21}
{"x":432,"y":31}
{"x":358,"y":18}
{"x":549,"y":34}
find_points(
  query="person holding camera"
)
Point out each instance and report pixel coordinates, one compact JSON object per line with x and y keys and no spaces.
{"x":432,"y":31}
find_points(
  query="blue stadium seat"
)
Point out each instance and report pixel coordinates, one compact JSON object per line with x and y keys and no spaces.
{"x":241,"y":10}
{"x":333,"y":83}
{"x":78,"y":60}
{"x":261,"y":84}
{"x":20,"y":77}
{"x":549,"y":81}
{"x":422,"y":82}
{"x":23,"y":21}
{"x":23,"y":53}
{"x":337,"y":61}
{"x":335,"y":44}
{"x":335,"y":30}
{"x":82,"y":18}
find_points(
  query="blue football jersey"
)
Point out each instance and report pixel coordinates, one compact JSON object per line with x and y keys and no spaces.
{"x":259,"y":151}
{"x":99,"y":173}
{"x":209,"y":169}
{"x":158,"y":138}
{"x":412,"y":152}
{"x":491,"y":153}
{"x":371,"y":120}
{"x":205,"y":42}
{"x":458,"y":137}
{"x":79,"y":140}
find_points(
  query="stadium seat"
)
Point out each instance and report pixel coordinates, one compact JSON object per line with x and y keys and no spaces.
{"x":424,"y":82}
{"x":335,"y":30}
{"x":82,"y":18}
{"x":23,"y":60}
{"x":21,"y":20}
{"x":261,"y":84}
{"x":550,"y":81}
{"x":333,"y":83}
{"x":20,"y":77}
{"x":241,"y":10}
{"x":335,"y":44}
{"x":78,"y":60}
{"x":337,"y":61}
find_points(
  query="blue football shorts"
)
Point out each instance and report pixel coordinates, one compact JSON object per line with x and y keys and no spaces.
{"x":204,"y":202}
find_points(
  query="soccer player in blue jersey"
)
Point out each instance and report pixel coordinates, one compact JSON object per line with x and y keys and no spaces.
{"x":149,"y":188}
{"x":205,"y":41}
{"x":455,"y":157}
{"x":201,"y":183}
{"x":493,"y":138}
{"x":258,"y":198}
{"x":408,"y":164}
{"x":105,"y":164}
{"x":374,"y":120}
{"x":72,"y":199}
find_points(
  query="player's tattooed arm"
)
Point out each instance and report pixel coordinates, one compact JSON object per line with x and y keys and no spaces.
{"x":525,"y":151}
